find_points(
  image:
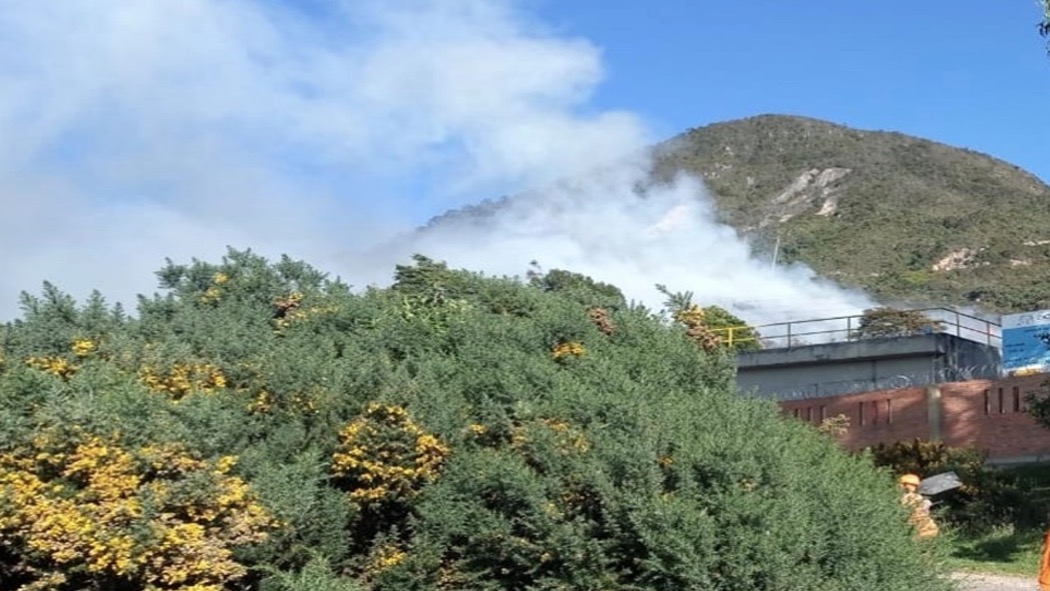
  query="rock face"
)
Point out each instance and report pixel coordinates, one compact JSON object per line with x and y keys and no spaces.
{"x":811,"y":188}
{"x":957,"y":259}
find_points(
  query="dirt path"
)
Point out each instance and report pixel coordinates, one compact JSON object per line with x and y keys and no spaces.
{"x":976,"y":582}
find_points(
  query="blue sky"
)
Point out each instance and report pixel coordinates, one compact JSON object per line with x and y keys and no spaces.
{"x":139,"y":130}
{"x":970,"y":73}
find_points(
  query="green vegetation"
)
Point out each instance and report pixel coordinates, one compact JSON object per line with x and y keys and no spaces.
{"x":1003,"y":551}
{"x":990,"y":498}
{"x":891,"y":322}
{"x":1038,"y":404}
{"x":259,"y":426}
{"x":996,"y":522}
{"x":878,"y":210}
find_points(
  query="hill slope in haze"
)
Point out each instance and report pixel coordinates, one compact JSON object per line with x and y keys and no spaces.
{"x":899,"y":216}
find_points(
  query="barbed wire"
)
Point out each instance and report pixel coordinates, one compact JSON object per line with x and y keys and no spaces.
{"x":893,"y":382}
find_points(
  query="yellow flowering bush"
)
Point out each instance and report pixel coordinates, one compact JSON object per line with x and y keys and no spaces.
{"x":87,"y":513}
{"x":84,"y":347}
{"x":693,"y":317}
{"x":58,"y":365}
{"x":384,"y":454}
{"x":568,"y":349}
{"x":264,"y":401}
{"x":385,"y":556}
{"x":210,"y":295}
{"x":214,"y":292}
{"x":183,"y":379}
{"x":290,"y":310}
{"x":54,"y":365}
{"x":567,"y":439}
{"x":600,"y":318}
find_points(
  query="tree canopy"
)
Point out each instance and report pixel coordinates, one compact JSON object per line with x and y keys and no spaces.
{"x":1044,"y":27}
{"x":893,"y":322}
{"x":258,"y":425}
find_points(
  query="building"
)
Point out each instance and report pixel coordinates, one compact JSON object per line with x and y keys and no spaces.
{"x":946,"y":386}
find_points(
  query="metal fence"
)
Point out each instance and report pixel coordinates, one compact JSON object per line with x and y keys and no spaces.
{"x":847,"y":328}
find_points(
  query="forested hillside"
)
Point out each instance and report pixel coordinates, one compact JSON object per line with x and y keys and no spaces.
{"x":259,"y":426}
{"x":900,"y":216}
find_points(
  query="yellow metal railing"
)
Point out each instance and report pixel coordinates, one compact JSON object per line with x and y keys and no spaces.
{"x":735,"y":335}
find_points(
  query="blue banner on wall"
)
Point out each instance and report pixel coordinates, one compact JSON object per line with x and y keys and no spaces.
{"x":1026,"y":342}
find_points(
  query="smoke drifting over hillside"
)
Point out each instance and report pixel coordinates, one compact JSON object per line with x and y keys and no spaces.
{"x":141,"y":129}
{"x":604,"y":226}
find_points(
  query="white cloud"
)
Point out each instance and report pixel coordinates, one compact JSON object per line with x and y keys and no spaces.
{"x":135,"y":130}
{"x":138,"y":129}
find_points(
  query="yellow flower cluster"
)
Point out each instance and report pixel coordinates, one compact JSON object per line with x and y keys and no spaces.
{"x":600,"y":317}
{"x":264,"y":401}
{"x":54,"y":365}
{"x":384,"y":454}
{"x":62,"y":366}
{"x":693,"y":319}
{"x":214,"y":292}
{"x":287,"y":304}
{"x":690,"y":316}
{"x":290,"y":310}
{"x":84,"y":347}
{"x":183,"y":379}
{"x":568,"y":349}
{"x":119,"y":517}
{"x":384,"y":557}
{"x":570,"y":440}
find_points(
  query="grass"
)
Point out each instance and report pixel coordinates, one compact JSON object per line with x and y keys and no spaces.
{"x":1014,"y":549}
{"x":1005,"y":551}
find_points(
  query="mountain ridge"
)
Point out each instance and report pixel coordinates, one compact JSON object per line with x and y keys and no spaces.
{"x":901,"y":217}
{"x":890,"y":213}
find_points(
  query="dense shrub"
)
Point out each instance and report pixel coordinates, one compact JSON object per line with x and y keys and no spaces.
{"x":989,"y":497}
{"x":451,"y":432}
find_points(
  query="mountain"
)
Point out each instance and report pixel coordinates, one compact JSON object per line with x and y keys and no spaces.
{"x":902,"y":217}
{"x":908,"y":220}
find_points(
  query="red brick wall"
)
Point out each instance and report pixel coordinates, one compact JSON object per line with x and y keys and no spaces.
{"x":990,"y":415}
{"x":987,"y":414}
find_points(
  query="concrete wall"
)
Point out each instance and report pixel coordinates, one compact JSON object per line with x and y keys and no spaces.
{"x":831,"y":369}
{"x":987,"y":414}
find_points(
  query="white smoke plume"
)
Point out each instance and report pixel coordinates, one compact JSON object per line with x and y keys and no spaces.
{"x":604,"y":226}
{"x":135,"y":130}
